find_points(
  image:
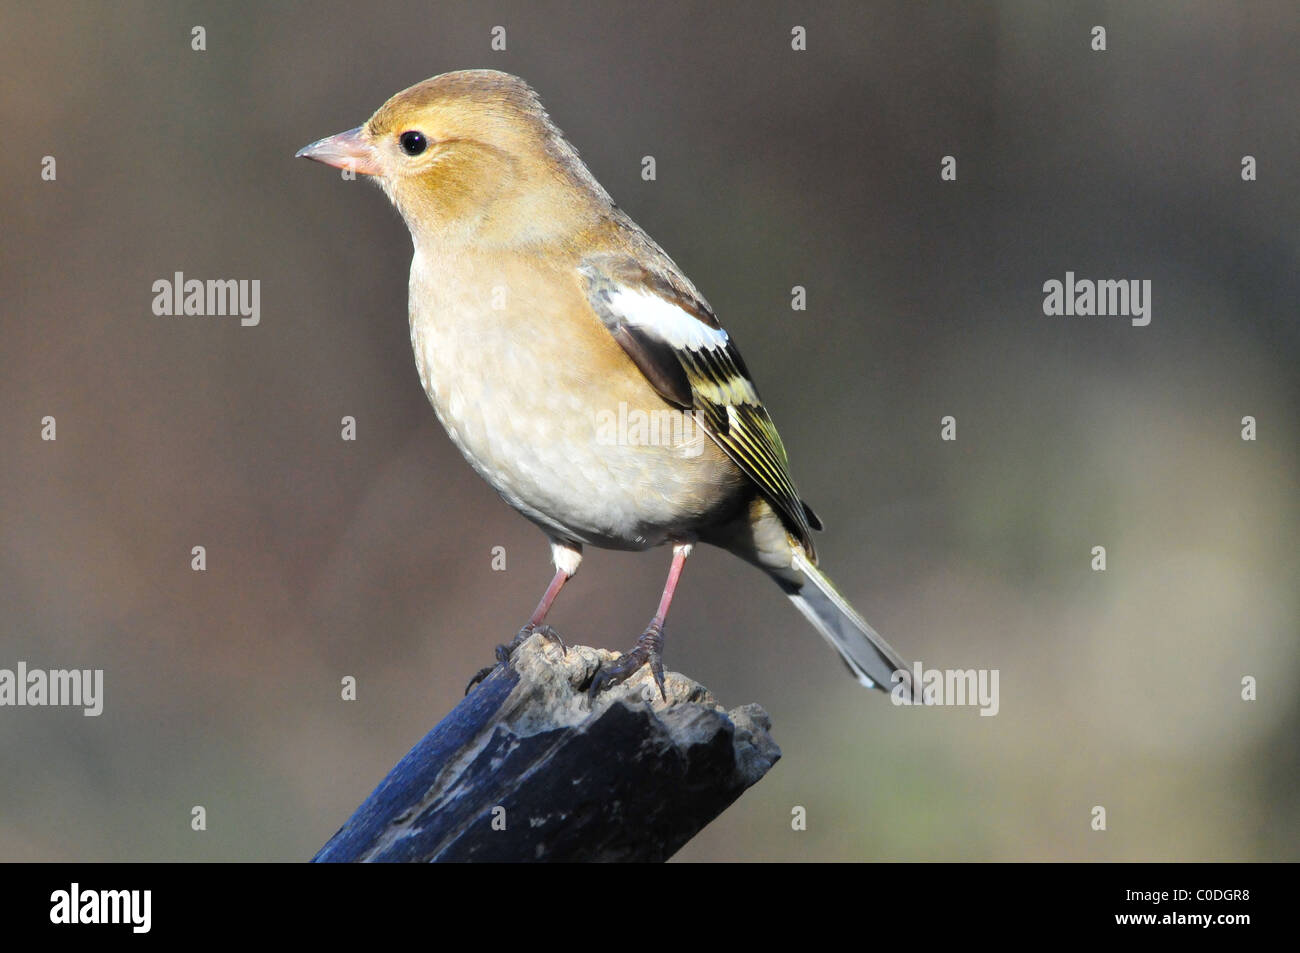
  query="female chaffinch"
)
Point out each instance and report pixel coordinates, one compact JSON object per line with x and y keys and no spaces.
{"x":552,"y":334}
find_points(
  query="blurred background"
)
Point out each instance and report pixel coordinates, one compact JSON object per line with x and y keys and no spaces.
{"x":775,"y":168}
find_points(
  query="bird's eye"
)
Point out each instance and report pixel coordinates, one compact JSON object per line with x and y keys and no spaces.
{"x":413,"y":143}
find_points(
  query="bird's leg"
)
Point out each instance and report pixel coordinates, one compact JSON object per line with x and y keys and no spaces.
{"x":533,"y":625}
{"x":649,"y":647}
{"x":536,"y":620}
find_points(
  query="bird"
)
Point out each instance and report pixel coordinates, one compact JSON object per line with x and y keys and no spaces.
{"x":575,"y":366}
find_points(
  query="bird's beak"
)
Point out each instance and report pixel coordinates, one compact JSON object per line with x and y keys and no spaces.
{"x":348,"y":150}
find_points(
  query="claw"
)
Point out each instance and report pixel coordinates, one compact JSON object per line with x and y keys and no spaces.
{"x":478,"y":677}
{"x":505,"y":652}
{"x":550,"y":635}
{"x":657,"y":670}
{"x":648,"y":651}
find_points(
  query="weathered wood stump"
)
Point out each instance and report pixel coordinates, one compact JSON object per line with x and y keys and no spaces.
{"x":527,"y":768}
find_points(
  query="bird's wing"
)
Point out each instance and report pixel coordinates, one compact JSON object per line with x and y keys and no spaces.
{"x":671,"y":334}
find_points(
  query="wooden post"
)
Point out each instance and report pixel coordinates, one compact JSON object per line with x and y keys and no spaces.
{"x":526,"y":768}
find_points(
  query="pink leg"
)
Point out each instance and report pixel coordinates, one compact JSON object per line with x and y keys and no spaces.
{"x":543,"y":607}
{"x":534,"y":624}
{"x":649,"y":648}
{"x":674,"y":573}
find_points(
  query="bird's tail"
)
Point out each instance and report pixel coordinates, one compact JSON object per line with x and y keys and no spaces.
{"x":869,"y":657}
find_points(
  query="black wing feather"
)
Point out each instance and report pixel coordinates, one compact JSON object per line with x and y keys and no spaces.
{"x":713,"y":381}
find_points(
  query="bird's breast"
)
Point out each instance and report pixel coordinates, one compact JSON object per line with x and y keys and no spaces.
{"x":546,"y":407}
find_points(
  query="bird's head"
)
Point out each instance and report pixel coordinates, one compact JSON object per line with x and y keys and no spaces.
{"x":460,"y":153}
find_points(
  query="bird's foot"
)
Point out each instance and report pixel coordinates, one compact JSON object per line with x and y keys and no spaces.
{"x":648,"y":651}
{"x":505,"y":652}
